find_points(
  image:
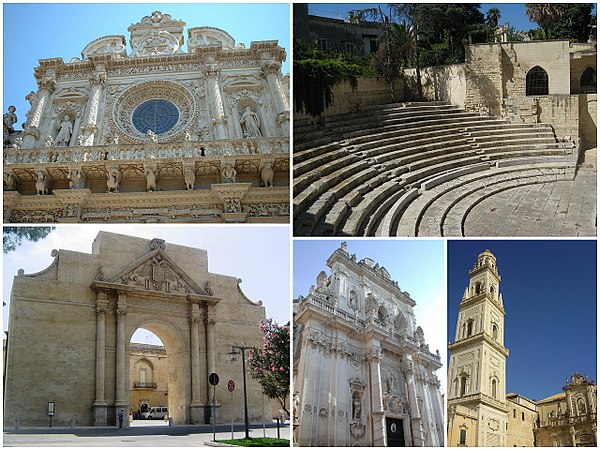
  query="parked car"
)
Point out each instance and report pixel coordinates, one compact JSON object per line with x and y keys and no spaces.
{"x":156,"y":412}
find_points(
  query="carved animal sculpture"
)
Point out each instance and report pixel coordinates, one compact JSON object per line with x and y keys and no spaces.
{"x":150,"y":180}
{"x":40,"y":184}
{"x":114,"y":178}
{"x":266,"y":175}
{"x":189,"y":176}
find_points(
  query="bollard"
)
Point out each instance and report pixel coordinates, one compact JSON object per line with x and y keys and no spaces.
{"x":72,"y":423}
{"x":278,"y":435}
{"x":170,"y":421}
{"x":17,"y":423}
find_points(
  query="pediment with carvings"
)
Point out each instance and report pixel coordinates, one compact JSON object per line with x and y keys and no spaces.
{"x":156,"y":272}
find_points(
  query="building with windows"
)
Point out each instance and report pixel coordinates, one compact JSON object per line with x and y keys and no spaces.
{"x":160,"y":133}
{"x":480,"y":414}
{"x":148,"y":376}
{"x":363,"y":373}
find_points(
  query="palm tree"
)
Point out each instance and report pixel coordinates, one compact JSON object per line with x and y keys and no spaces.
{"x":544,"y":14}
{"x":492,"y":17}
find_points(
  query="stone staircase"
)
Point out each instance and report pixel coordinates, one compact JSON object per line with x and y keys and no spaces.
{"x":413,"y":169}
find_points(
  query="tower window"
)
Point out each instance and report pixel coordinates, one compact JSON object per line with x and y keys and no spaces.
{"x":469,"y":328}
{"x":522,"y":416}
{"x":495,"y":332}
{"x":463,"y":386}
{"x":537,"y":82}
{"x":478,"y":289}
{"x":494,"y":389}
{"x":463,"y":437}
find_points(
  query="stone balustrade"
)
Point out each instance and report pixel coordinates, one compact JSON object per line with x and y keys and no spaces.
{"x":145,"y":151}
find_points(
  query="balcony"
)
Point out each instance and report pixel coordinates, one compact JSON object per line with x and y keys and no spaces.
{"x":144,"y":385}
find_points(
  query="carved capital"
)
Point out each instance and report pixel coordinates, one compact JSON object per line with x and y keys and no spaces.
{"x":98,"y":79}
{"x":270,"y":68}
{"x":194,"y":320}
{"x":47,"y":83}
{"x":31,"y":131}
{"x":212,"y":71}
{"x":101,"y":310}
{"x":121,"y":312}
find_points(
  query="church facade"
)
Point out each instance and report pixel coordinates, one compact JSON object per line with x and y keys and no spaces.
{"x":363,"y":374}
{"x":71,"y":325}
{"x":480,"y":412}
{"x":155,"y":134}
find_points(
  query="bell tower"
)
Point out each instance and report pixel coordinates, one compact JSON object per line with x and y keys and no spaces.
{"x":477,"y":408}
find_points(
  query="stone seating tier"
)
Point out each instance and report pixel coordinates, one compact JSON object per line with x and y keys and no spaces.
{"x":366,"y":180}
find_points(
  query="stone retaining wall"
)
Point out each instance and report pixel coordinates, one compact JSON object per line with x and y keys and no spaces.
{"x":442,"y":83}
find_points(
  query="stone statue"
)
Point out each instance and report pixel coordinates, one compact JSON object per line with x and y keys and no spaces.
{"x":63,"y":138}
{"x":41,"y":183}
{"x":10,"y":118}
{"x":295,"y":406}
{"x":188,"y":136}
{"x":150,"y":179}
{"x":229,"y":174}
{"x":189,"y":176}
{"x":80,"y":139}
{"x":356,"y":408}
{"x":75,"y":179}
{"x":9,"y":182}
{"x":49,"y":141}
{"x":266,"y":175}
{"x":151,"y":135}
{"x":18,"y":142}
{"x":250,"y":123}
{"x":114,"y":178}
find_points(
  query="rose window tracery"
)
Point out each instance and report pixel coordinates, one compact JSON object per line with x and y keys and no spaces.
{"x":158,"y":115}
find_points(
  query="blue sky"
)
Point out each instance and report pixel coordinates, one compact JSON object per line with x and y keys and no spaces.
{"x":37,"y":31}
{"x":418,"y":266}
{"x":549,"y":290}
{"x":260,"y":256}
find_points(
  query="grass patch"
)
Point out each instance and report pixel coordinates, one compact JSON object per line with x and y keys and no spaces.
{"x":258,"y":442}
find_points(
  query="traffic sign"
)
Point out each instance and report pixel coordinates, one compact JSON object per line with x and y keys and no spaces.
{"x":213,"y":379}
{"x":230,"y":385}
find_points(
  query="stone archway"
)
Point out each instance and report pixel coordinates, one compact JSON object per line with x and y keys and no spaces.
{"x":155,"y":293}
{"x":178,"y":357}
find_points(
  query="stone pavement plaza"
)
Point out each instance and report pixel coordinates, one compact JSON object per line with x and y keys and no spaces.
{"x":136,"y":436}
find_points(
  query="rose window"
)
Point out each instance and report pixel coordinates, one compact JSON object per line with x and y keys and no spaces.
{"x":157,"y":114}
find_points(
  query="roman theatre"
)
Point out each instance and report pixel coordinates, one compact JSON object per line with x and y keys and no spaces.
{"x":505,"y":146}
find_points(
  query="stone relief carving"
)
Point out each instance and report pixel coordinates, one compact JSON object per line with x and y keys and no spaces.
{"x":189,"y":176}
{"x":228,"y":174}
{"x":114,"y":179}
{"x":63,"y":138}
{"x":250,"y":124}
{"x":10,"y":118}
{"x":76,"y":178}
{"x":156,"y":274}
{"x":267,"y":174}
{"x":150,"y":174}
{"x":41,"y":184}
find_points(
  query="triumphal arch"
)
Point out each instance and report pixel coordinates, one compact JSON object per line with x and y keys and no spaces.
{"x":161,"y":133}
{"x":71,"y":324}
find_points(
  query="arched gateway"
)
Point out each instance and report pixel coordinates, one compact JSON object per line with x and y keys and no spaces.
{"x":71,"y":324}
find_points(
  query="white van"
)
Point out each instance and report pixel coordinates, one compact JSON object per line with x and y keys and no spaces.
{"x":156,"y":412}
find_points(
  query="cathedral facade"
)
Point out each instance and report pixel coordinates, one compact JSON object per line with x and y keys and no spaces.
{"x":363,"y":374}
{"x":480,"y":412}
{"x":155,"y":134}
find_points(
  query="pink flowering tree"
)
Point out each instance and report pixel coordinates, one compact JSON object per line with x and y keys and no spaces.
{"x":270,"y":365}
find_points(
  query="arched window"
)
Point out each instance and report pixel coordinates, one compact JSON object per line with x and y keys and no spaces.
{"x":478,"y":289}
{"x":537,"y":82}
{"x":469,"y":328}
{"x":494,"y":389}
{"x":495,"y":332}
{"x":463,"y":385}
{"x":587,"y":82}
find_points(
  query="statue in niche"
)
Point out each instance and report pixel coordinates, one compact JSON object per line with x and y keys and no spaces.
{"x":10,"y":118}
{"x":63,"y":138}
{"x":80,"y":140}
{"x":229,"y":174}
{"x":48,"y":142}
{"x":75,"y":177}
{"x":250,"y":123}
{"x":266,"y":175}
{"x":114,"y":178}
{"x":356,"y":408}
{"x":189,"y":176}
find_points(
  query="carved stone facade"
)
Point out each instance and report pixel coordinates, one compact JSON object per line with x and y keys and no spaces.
{"x":480,"y":413}
{"x":71,"y":324}
{"x":364,"y":375}
{"x":145,"y":136}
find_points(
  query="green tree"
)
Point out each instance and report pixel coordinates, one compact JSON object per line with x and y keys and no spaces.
{"x":575,"y":22}
{"x":544,"y":14}
{"x":14,"y":236}
{"x":270,"y":365}
{"x":492,"y":17}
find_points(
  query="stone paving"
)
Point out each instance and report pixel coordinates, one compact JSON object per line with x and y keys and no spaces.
{"x":562,"y":208}
{"x":143,"y":436}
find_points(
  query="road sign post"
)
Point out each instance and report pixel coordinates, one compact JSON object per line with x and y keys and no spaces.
{"x":213,"y":379}
{"x":230,"y":388}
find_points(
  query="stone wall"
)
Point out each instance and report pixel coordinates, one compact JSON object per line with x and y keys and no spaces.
{"x":370,"y":91}
{"x":521,"y":419}
{"x":442,"y":83}
{"x":588,"y":120}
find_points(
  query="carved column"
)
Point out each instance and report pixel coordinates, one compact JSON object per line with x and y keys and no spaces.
{"x":415,"y":415}
{"x":379,"y":437}
{"x":89,"y":127}
{"x":121,"y":391}
{"x":196,"y":404}
{"x":100,"y":405}
{"x":212,"y":72}
{"x":46,"y":86}
{"x":271,"y":72}
{"x":211,"y":359}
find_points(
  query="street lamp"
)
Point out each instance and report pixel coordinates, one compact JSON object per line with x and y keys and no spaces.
{"x":232,"y":357}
